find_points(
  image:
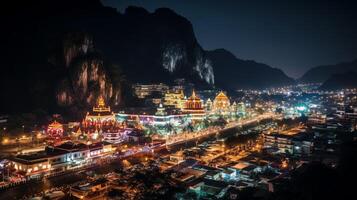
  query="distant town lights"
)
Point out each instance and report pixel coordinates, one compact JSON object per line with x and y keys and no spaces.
{"x":301,"y":108}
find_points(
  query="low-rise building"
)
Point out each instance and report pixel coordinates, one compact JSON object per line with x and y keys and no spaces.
{"x":96,"y":189}
{"x":243,"y":171}
{"x":144,"y":90}
{"x":31,"y":165}
{"x":208,"y":188}
{"x":282,"y":142}
{"x":59,"y":158}
{"x":299,"y":144}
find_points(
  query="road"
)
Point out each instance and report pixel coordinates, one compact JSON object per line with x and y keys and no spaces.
{"x":209,"y":132}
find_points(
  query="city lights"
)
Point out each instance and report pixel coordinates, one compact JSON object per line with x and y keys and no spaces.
{"x":236,"y":100}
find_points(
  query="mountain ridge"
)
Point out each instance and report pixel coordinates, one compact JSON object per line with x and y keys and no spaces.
{"x":346,"y":80}
{"x":246,"y":74}
{"x":321,"y":73}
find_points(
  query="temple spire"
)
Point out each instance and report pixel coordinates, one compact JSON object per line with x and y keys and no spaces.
{"x":101,"y":107}
{"x":193,"y":93}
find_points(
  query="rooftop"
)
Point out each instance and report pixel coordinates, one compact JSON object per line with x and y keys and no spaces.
{"x":70,"y":146}
{"x":87,"y":186}
{"x":31,"y":158}
{"x":51,"y":151}
{"x":297,"y":136}
{"x":214,"y":183}
{"x":241,"y":165}
{"x":205,"y":167}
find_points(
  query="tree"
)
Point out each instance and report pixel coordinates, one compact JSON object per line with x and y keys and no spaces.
{"x":260,"y":111}
{"x":220,"y":122}
{"x":169,"y":128}
{"x":206,"y":123}
{"x":189,"y":195}
{"x":150,"y":130}
{"x":189,"y":127}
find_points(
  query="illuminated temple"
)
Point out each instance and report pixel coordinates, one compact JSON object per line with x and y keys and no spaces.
{"x":193,"y":106}
{"x":101,"y":123}
{"x":55,"y":130}
{"x":100,"y":114}
{"x":221,"y":104}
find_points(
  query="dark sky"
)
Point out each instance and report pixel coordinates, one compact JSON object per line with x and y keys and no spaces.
{"x":291,"y":35}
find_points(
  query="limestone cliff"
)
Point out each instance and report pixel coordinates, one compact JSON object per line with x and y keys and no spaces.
{"x":87,"y":77}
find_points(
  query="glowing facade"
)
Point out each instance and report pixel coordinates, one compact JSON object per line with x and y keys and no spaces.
{"x":101,"y":114}
{"x":55,"y":130}
{"x":59,"y":158}
{"x":114,"y":137}
{"x":160,"y":118}
{"x":193,"y":107}
{"x":175,"y":99}
{"x":241,"y":109}
{"x":143,"y":91}
{"x":208,"y":105}
{"x":221,"y":104}
{"x":234,"y":108}
{"x":160,"y":111}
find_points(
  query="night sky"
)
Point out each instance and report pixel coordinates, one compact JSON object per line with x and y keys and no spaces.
{"x":291,"y":35}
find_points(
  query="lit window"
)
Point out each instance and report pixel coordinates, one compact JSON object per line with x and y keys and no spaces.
{"x":35,"y":168}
